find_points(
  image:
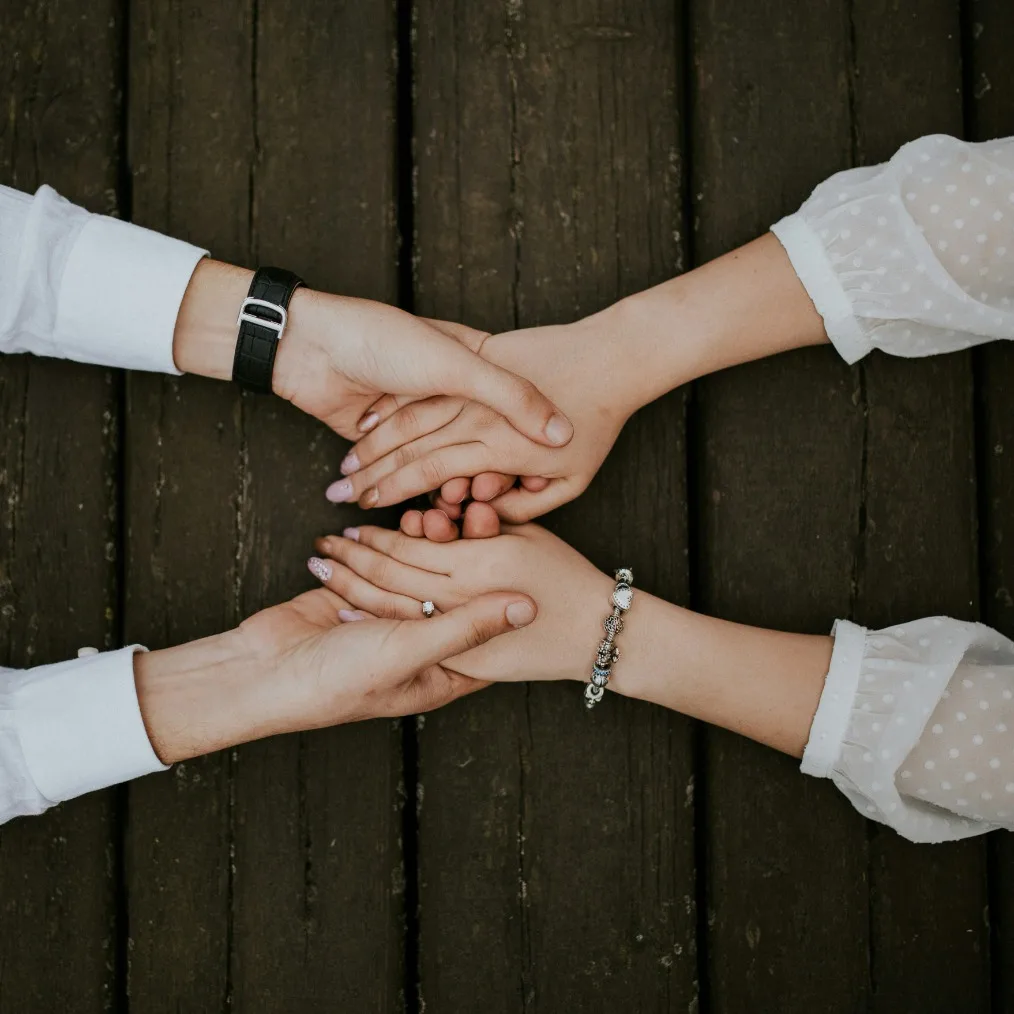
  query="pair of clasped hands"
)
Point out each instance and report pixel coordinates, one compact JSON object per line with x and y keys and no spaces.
{"x":499,"y":429}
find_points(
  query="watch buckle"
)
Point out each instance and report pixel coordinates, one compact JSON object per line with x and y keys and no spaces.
{"x":275,"y":325}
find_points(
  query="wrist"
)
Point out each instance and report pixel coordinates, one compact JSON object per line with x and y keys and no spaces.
{"x":204,"y":341}
{"x":204,"y":696}
{"x":745,"y":305}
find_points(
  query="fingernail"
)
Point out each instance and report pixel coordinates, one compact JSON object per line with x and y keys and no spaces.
{"x":558,"y":430}
{"x":369,"y":498}
{"x":368,"y":422}
{"x":339,"y":492}
{"x":349,"y":615}
{"x":350,"y":463}
{"x":351,"y":533}
{"x":520,"y":614}
{"x":319,"y":568}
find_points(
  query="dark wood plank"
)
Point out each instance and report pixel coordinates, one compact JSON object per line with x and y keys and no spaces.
{"x":191,"y":147}
{"x":60,"y":78}
{"x":319,"y":916}
{"x":556,"y":856}
{"x":929,"y":942}
{"x":989,"y":108}
{"x":256,"y":861}
{"x":779,"y":447}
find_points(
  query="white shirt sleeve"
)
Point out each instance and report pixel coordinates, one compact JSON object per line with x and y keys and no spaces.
{"x":915,"y":727}
{"x":88,"y":287}
{"x":914,"y":256}
{"x":70,"y":728}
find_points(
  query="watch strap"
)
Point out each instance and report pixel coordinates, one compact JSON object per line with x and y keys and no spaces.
{"x":262,"y":321}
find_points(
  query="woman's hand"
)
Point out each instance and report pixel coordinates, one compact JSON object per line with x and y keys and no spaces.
{"x":339,"y":355}
{"x":298,"y":666}
{"x":385,"y":573}
{"x":419,"y":446}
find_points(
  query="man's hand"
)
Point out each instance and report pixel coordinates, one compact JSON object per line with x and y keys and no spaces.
{"x":304,"y":665}
{"x":418,"y":447}
{"x":340,"y":355}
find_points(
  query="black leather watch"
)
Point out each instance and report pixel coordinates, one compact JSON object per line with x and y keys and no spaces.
{"x":262,"y":319}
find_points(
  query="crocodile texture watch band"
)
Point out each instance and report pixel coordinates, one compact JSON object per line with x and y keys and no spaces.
{"x":262,"y":319}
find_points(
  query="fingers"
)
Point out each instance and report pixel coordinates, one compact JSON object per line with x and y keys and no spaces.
{"x":379,"y":570}
{"x":481,"y":521}
{"x":366,"y":599}
{"x":438,"y":527}
{"x":434,"y":526}
{"x":431,"y":641}
{"x":383,"y":408}
{"x":523,"y":405}
{"x":534,"y":483}
{"x":414,"y":420}
{"x":455,"y":490}
{"x":398,"y":546}
{"x":411,"y":524}
{"x":489,"y":485}
{"x":420,"y":476}
{"x":520,"y":505}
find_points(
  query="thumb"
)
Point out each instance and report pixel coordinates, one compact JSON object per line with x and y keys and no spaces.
{"x":428,"y":642}
{"x":518,"y":400}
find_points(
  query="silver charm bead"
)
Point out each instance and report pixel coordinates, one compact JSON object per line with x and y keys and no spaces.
{"x":592,"y":695}
{"x":613,"y":624}
{"x":599,"y":676}
{"x":625,"y":576}
{"x":428,"y":609}
{"x":623,"y":596}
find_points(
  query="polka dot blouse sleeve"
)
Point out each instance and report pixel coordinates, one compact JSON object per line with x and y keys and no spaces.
{"x":914,"y":726}
{"x":914,"y":256}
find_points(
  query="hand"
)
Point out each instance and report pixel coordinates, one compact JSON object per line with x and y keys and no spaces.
{"x":298,"y":666}
{"x":385,"y":573}
{"x":339,"y":355}
{"x":420,"y":446}
{"x":742,"y":306}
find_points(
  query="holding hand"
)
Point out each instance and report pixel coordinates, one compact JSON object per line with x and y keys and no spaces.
{"x":298,"y":666}
{"x":388,"y":574}
{"x":338,"y":355}
{"x":419,"y":446}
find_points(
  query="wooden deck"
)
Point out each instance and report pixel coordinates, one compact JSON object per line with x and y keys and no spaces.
{"x":505,"y":163}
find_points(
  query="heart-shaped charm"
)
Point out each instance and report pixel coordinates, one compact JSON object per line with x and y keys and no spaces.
{"x":623,"y":596}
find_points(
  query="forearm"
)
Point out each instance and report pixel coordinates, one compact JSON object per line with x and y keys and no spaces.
{"x":745,"y":305}
{"x":763,"y":684}
{"x":206,"y":695}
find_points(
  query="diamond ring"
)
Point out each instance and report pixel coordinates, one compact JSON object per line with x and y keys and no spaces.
{"x":428,"y":609}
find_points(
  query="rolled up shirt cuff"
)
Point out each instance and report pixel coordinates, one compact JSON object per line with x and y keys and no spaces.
{"x":120,"y":295}
{"x":835,"y":706}
{"x":813,"y":268}
{"x":80,"y":725}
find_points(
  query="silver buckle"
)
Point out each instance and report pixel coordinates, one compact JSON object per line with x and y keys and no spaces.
{"x":274,"y":325}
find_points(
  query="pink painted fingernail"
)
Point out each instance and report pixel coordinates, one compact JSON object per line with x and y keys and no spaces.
{"x":350,"y":463}
{"x":319,"y":568}
{"x":520,"y":614}
{"x":558,"y":430}
{"x":339,"y":492}
{"x":351,"y":533}
{"x":350,"y":615}
{"x":368,"y":422}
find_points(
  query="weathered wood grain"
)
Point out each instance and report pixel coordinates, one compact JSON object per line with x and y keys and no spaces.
{"x":989,"y":112}
{"x":191,"y":143}
{"x":319,"y":920}
{"x":278,"y":866}
{"x":929,"y":942}
{"x":556,"y":853}
{"x":779,"y":451}
{"x":60,"y":77}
